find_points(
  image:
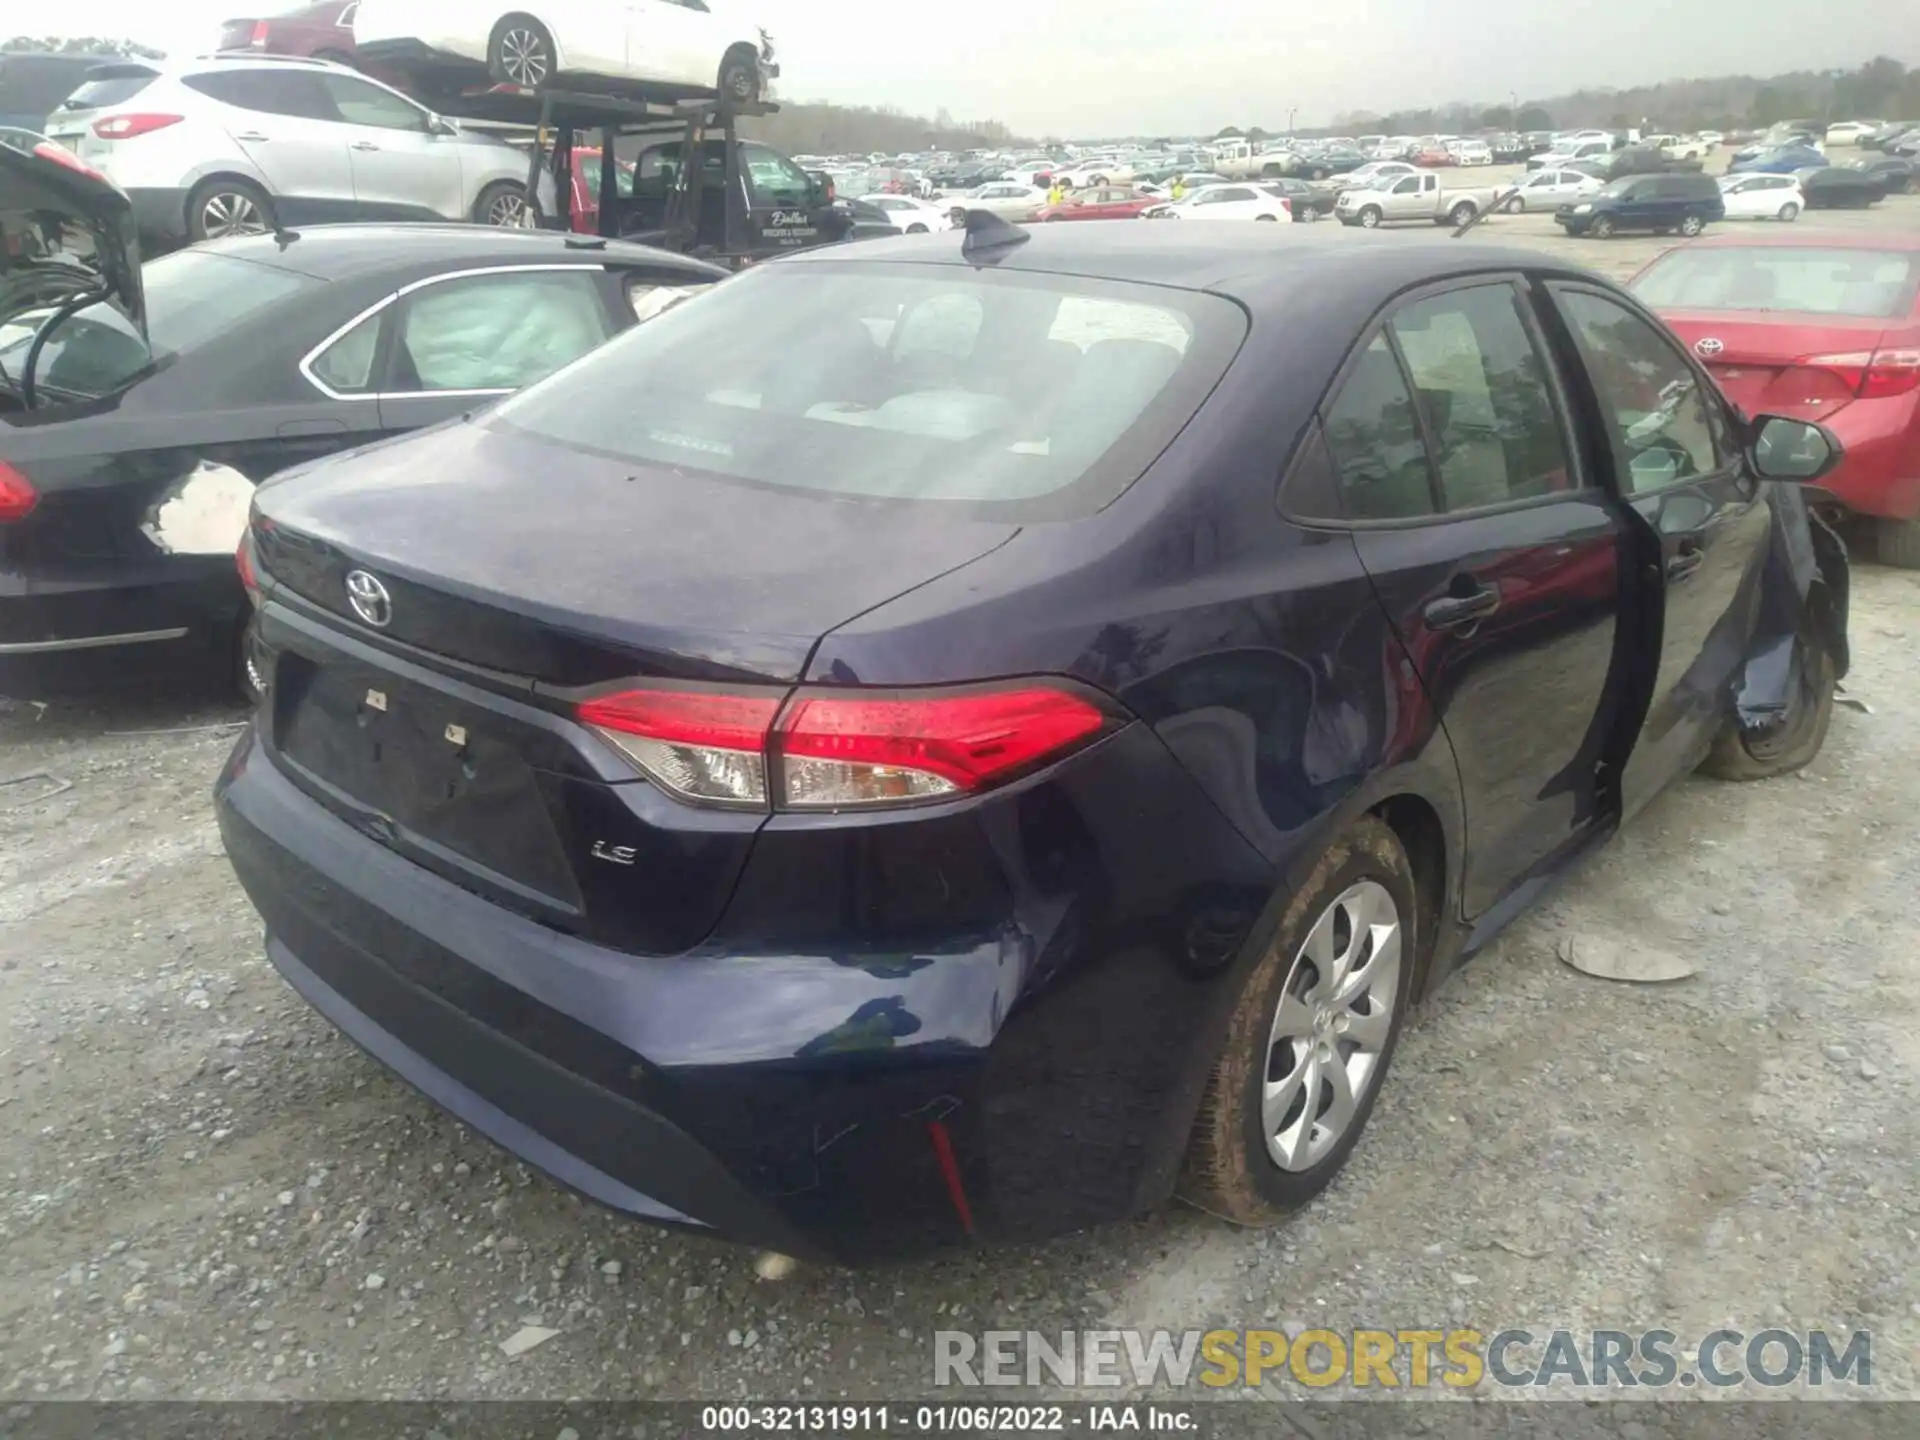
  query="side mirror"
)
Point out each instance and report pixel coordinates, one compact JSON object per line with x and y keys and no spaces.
{"x":1797,"y":450}
{"x":440,"y":125}
{"x":821,"y":185}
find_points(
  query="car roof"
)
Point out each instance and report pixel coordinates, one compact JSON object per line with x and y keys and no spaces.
{"x":341,"y":252}
{"x":1256,"y":264}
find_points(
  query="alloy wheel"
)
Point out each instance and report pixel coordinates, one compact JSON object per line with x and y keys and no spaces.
{"x":523,"y":55}
{"x":510,"y":212}
{"x":1331,"y":1026}
{"x":227,"y":213}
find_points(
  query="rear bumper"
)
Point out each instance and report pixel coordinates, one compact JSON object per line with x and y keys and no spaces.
{"x":1879,"y":474}
{"x":849,"y":1098}
{"x":88,"y":630}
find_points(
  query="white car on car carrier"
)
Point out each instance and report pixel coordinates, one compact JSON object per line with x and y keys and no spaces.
{"x":699,"y":45}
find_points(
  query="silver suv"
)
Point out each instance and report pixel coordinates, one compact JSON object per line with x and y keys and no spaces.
{"x":231,"y":145}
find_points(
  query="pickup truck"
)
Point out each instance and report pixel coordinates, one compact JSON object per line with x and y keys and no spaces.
{"x":1413,"y":197}
{"x":1240,"y":161}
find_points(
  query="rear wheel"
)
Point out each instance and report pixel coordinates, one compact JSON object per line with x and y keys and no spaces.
{"x":1790,"y":744}
{"x":521,"y":52}
{"x":916,"y":228}
{"x":1514,"y":205}
{"x":504,"y":204}
{"x":225,"y":206}
{"x":1692,"y":226}
{"x":1311,"y":1038}
{"x":1897,"y":543}
{"x":740,"y":76}
{"x":1462,"y":213}
{"x":1790,"y":211}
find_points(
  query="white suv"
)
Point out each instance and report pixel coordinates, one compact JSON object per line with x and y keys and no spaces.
{"x":239,"y":145}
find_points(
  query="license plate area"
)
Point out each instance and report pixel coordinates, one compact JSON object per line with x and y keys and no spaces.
{"x":423,"y":773}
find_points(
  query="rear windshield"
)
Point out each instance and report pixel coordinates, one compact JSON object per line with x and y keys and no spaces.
{"x":1873,"y":284}
{"x":192,"y":297}
{"x":1026,"y":395}
{"x":109,"y":85}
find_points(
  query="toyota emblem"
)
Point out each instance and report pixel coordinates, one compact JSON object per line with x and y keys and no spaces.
{"x":369,"y":599}
{"x":1708,"y":346}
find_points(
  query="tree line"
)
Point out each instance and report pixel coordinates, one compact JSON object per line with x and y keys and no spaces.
{"x":1883,"y":88}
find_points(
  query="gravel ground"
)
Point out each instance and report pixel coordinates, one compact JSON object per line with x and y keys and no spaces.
{"x":205,"y":1192}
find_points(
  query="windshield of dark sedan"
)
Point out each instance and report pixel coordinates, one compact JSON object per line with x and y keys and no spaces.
{"x":1873,"y":284}
{"x":191,"y":297}
{"x":1044,"y":394}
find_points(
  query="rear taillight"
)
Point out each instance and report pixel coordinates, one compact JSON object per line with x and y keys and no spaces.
{"x":1870,"y":374}
{"x":831,"y":751}
{"x":129,"y":127}
{"x":243,"y":562}
{"x":60,"y":155}
{"x":702,"y":746}
{"x":258,"y":40}
{"x":17,"y":495}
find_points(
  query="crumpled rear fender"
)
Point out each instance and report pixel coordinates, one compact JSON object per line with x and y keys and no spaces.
{"x":1803,"y":598}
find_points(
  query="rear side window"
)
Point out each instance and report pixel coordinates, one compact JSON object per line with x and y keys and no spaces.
{"x":496,"y":332}
{"x":1373,"y":435}
{"x":1871,"y":284}
{"x":267,"y":92}
{"x":1029,"y":396}
{"x":358,"y":103}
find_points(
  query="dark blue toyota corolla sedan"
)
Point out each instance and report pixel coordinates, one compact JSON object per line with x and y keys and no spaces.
{"x":926,"y":743}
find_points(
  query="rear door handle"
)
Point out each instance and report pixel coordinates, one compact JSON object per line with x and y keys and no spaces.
{"x":1458,"y":611}
{"x":364,"y":145}
{"x":1690,"y":559}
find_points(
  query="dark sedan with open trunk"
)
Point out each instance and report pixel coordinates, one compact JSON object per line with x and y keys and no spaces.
{"x":929,"y":743}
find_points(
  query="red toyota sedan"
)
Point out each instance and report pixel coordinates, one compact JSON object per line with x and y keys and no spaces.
{"x":1110,"y":204}
{"x":1821,"y":327}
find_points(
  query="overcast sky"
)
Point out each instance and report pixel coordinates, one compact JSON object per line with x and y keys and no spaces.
{"x":1094,"y":67}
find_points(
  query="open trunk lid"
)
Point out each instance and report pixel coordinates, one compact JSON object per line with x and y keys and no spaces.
{"x":437,"y":718}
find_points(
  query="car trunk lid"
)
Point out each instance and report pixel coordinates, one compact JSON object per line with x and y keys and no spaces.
{"x":514,"y":579}
{"x":1757,"y":358}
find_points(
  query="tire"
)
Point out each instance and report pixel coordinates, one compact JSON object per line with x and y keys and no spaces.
{"x":1251,"y":1167}
{"x":521,"y":52}
{"x":1789,"y":746}
{"x":739,"y":82}
{"x":226,"y":206}
{"x":1273,"y":218}
{"x":1319,"y":173}
{"x":1692,"y":225}
{"x":916,"y":229}
{"x":1369,"y":218}
{"x":1601,"y":229}
{"x":505,"y":206}
{"x":1514,"y":205}
{"x":1789,"y":212}
{"x":1896,"y":543}
{"x":1461,"y":213}
{"x":1098,"y":182}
